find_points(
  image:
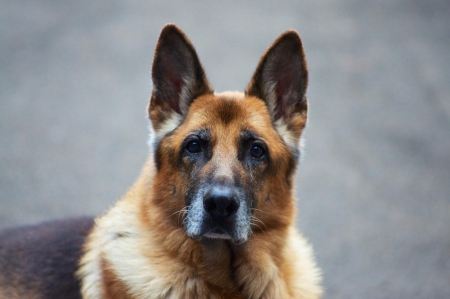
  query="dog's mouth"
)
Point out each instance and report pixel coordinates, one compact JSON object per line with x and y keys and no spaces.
{"x":218,"y":233}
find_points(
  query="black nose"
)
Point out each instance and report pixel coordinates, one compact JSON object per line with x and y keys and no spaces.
{"x":221,"y":201}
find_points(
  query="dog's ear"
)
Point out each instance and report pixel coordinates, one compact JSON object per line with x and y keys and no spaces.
{"x":280,"y":80}
{"x":178,"y":79}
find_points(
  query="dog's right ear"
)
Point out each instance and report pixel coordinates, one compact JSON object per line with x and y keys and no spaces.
{"x":178,"y":79}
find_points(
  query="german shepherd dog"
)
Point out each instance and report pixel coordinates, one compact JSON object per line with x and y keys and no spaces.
{"x":212,"y":214}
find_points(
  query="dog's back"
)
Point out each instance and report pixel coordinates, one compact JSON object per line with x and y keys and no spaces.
{"x":40,"y":261}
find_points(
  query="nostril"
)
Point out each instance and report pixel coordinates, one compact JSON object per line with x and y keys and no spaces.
{"x":232,"y":207}
{"x":210,"y":205}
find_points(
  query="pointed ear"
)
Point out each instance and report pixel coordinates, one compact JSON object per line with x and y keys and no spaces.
{"x":178,"y":79}
{"x":280,"y":80}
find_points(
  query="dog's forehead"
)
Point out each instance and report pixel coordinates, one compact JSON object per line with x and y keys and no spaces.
{"x":231,"y":111}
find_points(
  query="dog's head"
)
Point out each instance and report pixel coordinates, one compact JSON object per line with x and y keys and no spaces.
{"x":225,"y":161}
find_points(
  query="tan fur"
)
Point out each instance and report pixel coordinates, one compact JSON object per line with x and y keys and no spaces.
{"x":139,"y":248}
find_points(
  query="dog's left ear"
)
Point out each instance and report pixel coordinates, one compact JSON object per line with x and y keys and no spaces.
{"x":280,"y":80}
{"x":178,"y":79}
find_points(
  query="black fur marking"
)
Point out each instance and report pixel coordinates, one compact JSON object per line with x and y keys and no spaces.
{"x":40,"y":261}
{"x":157,"y":156}
{"x":228,"y":111}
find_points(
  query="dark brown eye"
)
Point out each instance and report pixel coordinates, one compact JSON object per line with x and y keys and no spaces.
{"x":193,"y":147}
{"x":257,"y":151}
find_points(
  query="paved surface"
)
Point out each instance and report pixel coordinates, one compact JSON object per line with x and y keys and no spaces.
{"x":374,"y":188}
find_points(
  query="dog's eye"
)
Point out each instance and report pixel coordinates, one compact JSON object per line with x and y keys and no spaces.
{"x":193,"y":147}
{"x":257,"y":151}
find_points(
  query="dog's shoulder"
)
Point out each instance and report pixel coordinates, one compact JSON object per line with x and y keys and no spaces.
{"x":40,"y":261}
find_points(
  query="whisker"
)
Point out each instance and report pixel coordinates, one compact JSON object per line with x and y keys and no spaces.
{"x":177,"y":212}
{"x":181,"y":212}
{"x":255,"y":219}
{"x":256,"y":225}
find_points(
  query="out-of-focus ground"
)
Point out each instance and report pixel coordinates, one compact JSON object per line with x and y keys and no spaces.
{"x":374,"y":187}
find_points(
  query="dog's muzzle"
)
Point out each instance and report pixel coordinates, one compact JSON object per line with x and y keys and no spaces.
{"x":220,"y":212}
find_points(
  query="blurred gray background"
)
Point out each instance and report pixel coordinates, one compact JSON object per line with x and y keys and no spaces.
{"x":374,"y":187}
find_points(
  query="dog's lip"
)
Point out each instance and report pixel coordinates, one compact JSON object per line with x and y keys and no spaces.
{"x":219,"y":233}
{"x":213,"y":235}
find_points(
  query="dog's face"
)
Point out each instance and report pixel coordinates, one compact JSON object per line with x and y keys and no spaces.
{"x":227,"y":149}
{"x":225,"y":161}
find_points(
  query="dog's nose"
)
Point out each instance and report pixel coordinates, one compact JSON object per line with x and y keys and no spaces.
{"x":221,"y":201}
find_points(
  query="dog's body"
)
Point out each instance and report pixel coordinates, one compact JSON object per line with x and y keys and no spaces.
{"x":212,"y":214}
{"x":38,"y":262}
